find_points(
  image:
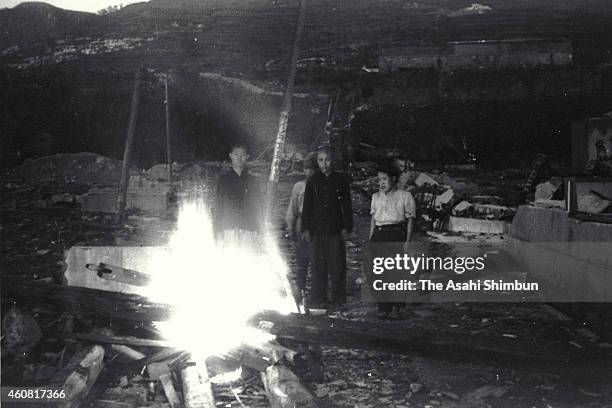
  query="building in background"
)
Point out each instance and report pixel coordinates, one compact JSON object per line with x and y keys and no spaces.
{"x":518,"y":52}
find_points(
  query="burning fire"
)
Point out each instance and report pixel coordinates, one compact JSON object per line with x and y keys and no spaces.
{"x":214,"y":289}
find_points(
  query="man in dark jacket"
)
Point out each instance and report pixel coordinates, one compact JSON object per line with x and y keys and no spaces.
{"x":237,"y":216}
{"x":327,"y":219}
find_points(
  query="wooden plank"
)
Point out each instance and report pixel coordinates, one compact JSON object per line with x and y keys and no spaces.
{"x":285,"y":390}
{"x":84,"y":301}
{"x":112,"y":339}
{"x":128,"y":352}
{"x":79,"y":375}
{"x":390,"y":337}
{"x":169,"y":390}
{"x":197,"y":389}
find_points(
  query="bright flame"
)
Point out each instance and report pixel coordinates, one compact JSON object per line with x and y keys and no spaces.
{"x":214,"y":289}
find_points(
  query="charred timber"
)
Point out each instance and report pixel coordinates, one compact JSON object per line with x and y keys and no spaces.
{"x":84,"y":301}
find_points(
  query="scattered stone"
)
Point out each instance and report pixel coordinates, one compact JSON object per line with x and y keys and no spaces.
{"x":20,"y":330}
{"x":42,"y":252}
{"x":488,"y":391}
{"x":322,"y":391}
{"x":589,"y":393}
{"x":546,"y":190}
{"x":416,"y":387}
{"x":424,"y":179}
{"x":592,"y":203}
{"x":450,"y":395}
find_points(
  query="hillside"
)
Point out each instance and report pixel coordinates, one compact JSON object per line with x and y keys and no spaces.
{"x":34,"y":23}
{"x":69,"y":75}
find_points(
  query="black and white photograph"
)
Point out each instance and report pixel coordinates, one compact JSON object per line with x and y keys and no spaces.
{"x":306,"y":203}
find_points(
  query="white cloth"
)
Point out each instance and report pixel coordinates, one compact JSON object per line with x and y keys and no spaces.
{"x":393,"y":207}
{"x":296,"y":203}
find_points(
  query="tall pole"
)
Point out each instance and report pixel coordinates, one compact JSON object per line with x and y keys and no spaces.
{"x":167,"y":102}
{"x":127,"y":153}
{"x":281,"y":135}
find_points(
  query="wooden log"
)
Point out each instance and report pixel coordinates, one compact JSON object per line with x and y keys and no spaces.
{"x":107,"y":332}
{"x":285,"y":390}
{"x":119,"y":340}
{"x":393,"y":338}
{"x":197,"y":389}
{"x":84,"y":301}
{"x":79,"y":375}
{"x":171,"y":395}
{"x":128,"y":351}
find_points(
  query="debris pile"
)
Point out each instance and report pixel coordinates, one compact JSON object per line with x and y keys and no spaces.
{"x":67,"y":168}
{"x":444,"y":201}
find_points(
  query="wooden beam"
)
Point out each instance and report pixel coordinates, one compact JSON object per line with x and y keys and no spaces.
{"x":197,"y":389}
{"x":77,"y":378}
{"x":285,"y":390}
{"x":169,"y":390}
{"x":394,"y":338}
{"x":84,"y":301}
{"x":126,"y":340}
{"x":128,"y":351}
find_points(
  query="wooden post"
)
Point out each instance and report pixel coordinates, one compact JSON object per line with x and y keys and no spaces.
{"x":197,"y":389}
{"x":284,"y":116}
{"x":127,"y":153}
{"x":77,"y":378}
{"x":167,"y":103}
{"x":285,"y":390}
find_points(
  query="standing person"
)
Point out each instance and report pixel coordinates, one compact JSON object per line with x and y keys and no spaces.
{"x":393,"y":212}
{"x":327,"y":219}
{"x":237,"y":216}
{"x":294,"y":225}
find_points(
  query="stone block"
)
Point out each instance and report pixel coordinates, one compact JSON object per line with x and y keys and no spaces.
{"x":475,"y":225}
{"x":141,"y":259}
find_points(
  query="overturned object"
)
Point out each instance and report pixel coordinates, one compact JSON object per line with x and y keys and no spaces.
{"x":592,"y":203}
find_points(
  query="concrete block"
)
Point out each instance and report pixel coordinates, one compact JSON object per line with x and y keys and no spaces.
{"x":425,"y":178}
{"x":140,"y":259}
{"x":461,"y":207}
{"x":475,"y":225}
{"x":545,"y":190}
{"x":592,"y":203}
{"x":538,"y":224}
{"x":444,"y":198}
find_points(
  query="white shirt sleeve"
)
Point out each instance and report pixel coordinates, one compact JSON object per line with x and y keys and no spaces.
{"x":373,"y":204}
{"x":409,"y":206}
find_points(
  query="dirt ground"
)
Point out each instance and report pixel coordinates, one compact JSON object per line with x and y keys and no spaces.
{"x":34,"y":239}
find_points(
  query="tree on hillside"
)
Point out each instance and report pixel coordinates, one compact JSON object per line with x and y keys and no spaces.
{"x":110,"y":9}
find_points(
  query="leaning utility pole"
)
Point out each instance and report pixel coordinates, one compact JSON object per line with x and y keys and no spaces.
{"x":127,"y":153}
{"x":167,"y":102}
{"x":281,"y":135}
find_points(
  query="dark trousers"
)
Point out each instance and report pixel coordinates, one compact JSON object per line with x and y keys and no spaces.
{"x":328,"y":260}
{"x":389,"y":233}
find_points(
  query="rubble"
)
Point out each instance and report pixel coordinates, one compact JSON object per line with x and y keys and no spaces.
{"x":425,"y":179}
{"x":21,"y":332}
{"x":546,"y":190}
{"x":68,"y":168}
{"x":593,"y":203}
{"x":479,"y":226}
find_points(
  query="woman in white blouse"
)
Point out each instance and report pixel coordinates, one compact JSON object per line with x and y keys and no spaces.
{"x":393,"y":212}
